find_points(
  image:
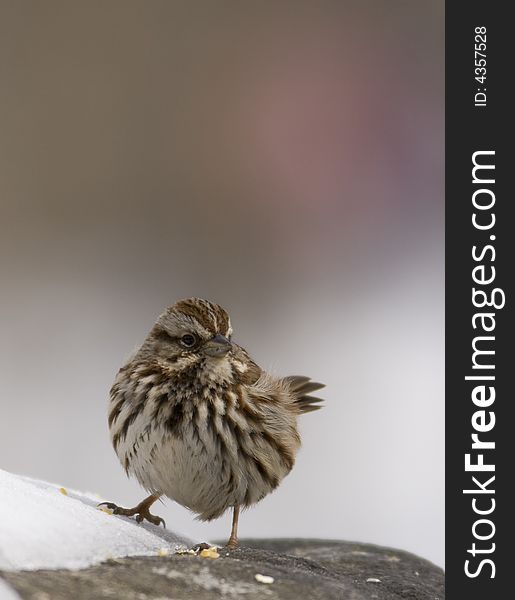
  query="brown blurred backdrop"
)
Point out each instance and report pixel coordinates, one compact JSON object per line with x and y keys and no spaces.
{"x":284,"y":159}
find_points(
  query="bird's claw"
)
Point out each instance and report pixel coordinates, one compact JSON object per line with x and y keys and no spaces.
{"x":108,"y":505}
{"x":140,"y":513}
{"x":154,"y":519}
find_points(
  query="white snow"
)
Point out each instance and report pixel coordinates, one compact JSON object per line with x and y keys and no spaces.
{"x":6,"y":592}
{"x":43,"y":528}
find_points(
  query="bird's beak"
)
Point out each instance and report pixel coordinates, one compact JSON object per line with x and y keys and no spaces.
{"x":217,"y":346}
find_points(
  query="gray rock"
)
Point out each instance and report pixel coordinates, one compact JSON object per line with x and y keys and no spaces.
{"x":302,"y":569}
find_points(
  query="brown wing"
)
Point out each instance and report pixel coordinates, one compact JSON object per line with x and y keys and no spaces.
{"x":301,"y":388}
{"x":253,"y":372}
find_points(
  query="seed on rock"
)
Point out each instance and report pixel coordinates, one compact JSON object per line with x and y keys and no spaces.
{"x":263,"y":578}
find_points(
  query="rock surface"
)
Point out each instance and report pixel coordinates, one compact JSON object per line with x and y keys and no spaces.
{"x":301,"y":569}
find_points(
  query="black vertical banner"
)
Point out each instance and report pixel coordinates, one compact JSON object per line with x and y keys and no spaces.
{"x":480,"y":255}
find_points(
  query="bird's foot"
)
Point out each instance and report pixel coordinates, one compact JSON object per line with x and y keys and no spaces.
{"x":141,"y":512}
{"x":232,"y":543}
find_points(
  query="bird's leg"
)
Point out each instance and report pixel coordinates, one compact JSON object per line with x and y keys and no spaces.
{"x":142,"y":510}
{"x":233,"y":540}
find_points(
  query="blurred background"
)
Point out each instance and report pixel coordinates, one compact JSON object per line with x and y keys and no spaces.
{"x":284,"y":159}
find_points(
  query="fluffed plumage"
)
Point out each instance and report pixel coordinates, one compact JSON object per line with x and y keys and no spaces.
{"x":195,"y":419}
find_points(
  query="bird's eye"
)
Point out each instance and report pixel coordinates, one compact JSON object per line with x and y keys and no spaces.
{"x":188,"y":340}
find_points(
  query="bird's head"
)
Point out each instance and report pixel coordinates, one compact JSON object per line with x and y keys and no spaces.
{"x":190,"y":330}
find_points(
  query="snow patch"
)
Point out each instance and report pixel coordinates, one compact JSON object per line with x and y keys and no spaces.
{"x":44,"y":526}
{"x":6,"y":592}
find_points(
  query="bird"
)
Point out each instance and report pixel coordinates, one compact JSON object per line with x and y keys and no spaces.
{"x":193,"y":418}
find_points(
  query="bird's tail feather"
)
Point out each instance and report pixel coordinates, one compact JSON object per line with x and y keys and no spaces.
{"x":302,"y":387}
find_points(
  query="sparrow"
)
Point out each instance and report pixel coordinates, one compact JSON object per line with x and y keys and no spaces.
{"x":193,"y":418}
